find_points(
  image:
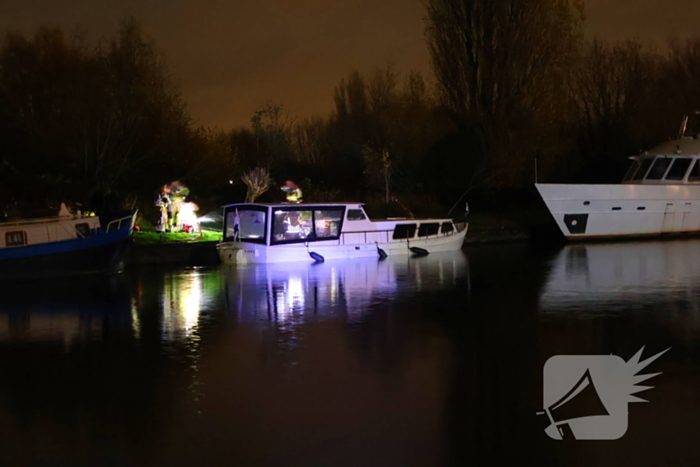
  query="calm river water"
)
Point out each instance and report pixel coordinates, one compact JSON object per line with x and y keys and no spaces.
{"x":413,"y":361}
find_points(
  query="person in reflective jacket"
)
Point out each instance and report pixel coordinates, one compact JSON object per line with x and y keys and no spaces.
{"x":293,"y":192}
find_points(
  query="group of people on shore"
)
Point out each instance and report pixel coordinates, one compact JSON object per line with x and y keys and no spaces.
{"x":176,"y":214}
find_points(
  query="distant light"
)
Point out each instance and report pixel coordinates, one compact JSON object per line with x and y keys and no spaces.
{"x":231,"y":182}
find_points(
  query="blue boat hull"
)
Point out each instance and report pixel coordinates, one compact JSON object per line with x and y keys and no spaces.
{"x":103,"y":253}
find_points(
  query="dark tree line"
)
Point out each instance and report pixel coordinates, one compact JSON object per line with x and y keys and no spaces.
{"x":76,"y":120}
{"x":514,"y":81}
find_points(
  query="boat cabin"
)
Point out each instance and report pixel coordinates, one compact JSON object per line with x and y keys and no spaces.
{"x":673,"y":163}
{"x":277,"y":224}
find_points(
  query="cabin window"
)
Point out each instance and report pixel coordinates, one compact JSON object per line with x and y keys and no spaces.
{"x":678,"y":168}
{"x":328,"y":222}
{"x":659,"y":168}
{"x":694,"y":175}
{"x":292,"y":225}
{"x":428,"y":229}
{"x":643,"y":168}
{"x":83,"y":230}
{"x":17,"y":238}
{"x":245,"y":224}
{"x":356,"y":215}
{"x":402,"y":231}
{"x":447,"y":227}
{"x":631,"y":171}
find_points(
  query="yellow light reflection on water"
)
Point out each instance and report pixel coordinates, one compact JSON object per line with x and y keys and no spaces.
{"x":182,"y":302}
{"x":135,"y":321}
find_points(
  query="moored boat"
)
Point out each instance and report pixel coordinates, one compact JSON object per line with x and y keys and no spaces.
{"x":269,"y":233}
{"x":659,"y":195}
{"x":64,"y":245}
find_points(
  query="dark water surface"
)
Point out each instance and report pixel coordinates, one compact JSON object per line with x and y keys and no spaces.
{"x":413,"y":361}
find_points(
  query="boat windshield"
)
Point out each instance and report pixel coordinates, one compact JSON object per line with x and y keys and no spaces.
{"x":694,"y":175}
{"x":631,"y":171}
{"x":678,"y":168}
{"x":643,"y":168}
{"x":659,"y":168}
{"x":246,"y":224}
{"x":307,"y":224}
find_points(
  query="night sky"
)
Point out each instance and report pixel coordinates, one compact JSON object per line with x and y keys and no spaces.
{"x":231,"y":57}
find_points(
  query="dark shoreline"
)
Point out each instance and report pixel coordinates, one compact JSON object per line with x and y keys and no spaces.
{"x":190,"y":254}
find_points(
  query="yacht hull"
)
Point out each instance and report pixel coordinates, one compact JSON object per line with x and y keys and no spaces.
{"x":590,"y":212}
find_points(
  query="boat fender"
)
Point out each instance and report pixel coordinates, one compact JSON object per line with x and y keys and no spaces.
{"x":382,"y":253}
{"x":418,"y":251}
{"x":318,"y":258}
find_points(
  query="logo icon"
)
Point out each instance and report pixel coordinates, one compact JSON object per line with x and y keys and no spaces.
{"x":586,"y":396}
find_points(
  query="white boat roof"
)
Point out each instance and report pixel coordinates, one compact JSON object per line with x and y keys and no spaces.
{"x":350,"y":204}
{"x":282,"y":205}
{"x":686,"y":146}
{"x":43,"y":220}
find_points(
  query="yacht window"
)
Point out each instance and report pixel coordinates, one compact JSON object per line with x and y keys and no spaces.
{"x":402,"y":231}
{"x":678,"y":168}
{"x":428,"y":229}
{"x":17,"y":238}
{"x":447,"y":227}
{"x":631,"y":171}
{"x":643,"y":168}
{"x":659,"y":168}
{"x":694,"y":175}
{"x":246,"y":224}
{"x":328,"y":222}
{"x":356,"y":215}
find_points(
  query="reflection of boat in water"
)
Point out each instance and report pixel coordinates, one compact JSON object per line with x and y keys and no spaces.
{"x":64,"y":311}
{"x":268,"y":233}
{"x":283,"y":290}
{"x":625,"y":273}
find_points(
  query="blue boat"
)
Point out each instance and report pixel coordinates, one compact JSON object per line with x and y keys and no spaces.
{"x":64,"y":245}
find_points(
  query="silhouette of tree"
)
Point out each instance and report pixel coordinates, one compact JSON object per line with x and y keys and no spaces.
{"x":499,"y":67}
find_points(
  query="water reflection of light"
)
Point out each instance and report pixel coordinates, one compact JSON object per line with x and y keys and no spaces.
{"x":295,"y":293}
{"x":286,"y":291}
{"x":334,"y":286}
{"x":135,"y":322}
{"x":182,"y":300}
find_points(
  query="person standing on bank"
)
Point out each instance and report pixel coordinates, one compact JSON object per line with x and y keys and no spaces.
{"x":163,"y":204}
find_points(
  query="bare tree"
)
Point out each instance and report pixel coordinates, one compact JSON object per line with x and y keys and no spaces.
{"x":498,"y":64}
{"x":258,"y":182}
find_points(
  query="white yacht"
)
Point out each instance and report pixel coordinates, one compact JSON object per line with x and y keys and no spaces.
{"x":270,"y":233}
{"x":659,"y":195}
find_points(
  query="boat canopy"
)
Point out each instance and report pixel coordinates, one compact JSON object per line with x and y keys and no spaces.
{"x":289,"y":223}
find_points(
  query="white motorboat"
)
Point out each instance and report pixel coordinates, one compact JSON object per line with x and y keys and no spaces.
{"x":659,"y":195}
{"x":270,"y":233}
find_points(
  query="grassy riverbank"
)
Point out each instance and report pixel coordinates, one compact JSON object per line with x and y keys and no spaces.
{"x":148,"y":236}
